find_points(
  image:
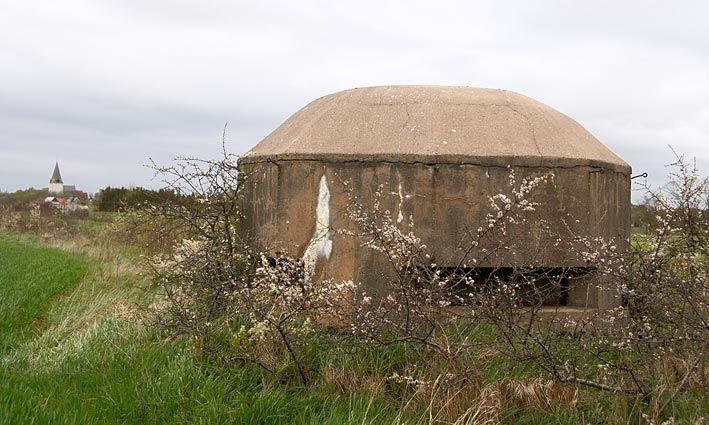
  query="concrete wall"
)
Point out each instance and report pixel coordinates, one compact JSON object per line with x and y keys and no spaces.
{"x":446,"y":202}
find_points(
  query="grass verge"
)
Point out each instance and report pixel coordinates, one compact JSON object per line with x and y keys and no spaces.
{"x":76,"y":351}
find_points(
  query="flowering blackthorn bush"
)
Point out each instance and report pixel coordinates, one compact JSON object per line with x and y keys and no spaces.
{"x":663,"y":317}
{"x":425,"y":304}
{"x":238,"y":305}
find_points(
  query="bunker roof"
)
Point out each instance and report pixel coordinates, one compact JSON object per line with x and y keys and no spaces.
{"x":434,"y":125}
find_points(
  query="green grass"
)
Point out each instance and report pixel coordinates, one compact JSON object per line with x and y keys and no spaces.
{"x":97,"y":221}
{"x":74,"y":351}
{"x":30,"y":276}
{"x":122,"y":374}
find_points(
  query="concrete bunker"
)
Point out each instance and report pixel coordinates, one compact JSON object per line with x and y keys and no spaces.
{"x":439,"y":153}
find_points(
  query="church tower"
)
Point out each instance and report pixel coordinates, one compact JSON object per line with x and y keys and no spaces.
{"x":56,"y":184}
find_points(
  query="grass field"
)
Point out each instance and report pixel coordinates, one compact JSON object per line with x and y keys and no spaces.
{"x":76,"y":347}
{"x":30,"y":277}
{"x":74,"y":351}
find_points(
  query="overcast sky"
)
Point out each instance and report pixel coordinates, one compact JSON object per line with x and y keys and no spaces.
{"x":104,"y":85}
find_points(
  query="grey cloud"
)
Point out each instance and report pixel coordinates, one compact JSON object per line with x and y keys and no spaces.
{"x":111,"y":83}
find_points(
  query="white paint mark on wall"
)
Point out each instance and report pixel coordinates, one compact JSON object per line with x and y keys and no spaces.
{"x":400,"y":217}
{"x":320,"y":245}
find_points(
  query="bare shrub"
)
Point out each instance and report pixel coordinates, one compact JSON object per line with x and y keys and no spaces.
{"x":407,"y":311}
{"x":435,"y":311}
{"x":238,"y":305}
{"x":662,"y":283}
{"x":664,"y":315}
{"x":414,"y":306}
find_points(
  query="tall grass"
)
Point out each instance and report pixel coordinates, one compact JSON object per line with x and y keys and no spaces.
{"x":75,"y":350}
{"x":30,"y":277}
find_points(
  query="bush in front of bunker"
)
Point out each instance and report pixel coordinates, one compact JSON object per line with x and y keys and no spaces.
{"x":661,"y":323}
{"x":239,"y":305}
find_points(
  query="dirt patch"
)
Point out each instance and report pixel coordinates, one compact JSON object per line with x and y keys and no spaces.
{"x":37,"y":324}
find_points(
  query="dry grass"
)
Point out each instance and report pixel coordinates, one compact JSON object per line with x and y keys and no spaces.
{"x":536,"y":394}
{"x":349,"y":381}
{"x":673,"y":369}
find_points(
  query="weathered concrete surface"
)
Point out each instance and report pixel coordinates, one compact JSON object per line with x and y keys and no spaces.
{"x":435,"y":125}
{"x":439,"y":153}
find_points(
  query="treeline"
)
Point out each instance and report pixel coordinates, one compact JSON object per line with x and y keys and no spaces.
{"x":114,"y":199}
{"x":642,"y":217}
{"x":23,"y":196}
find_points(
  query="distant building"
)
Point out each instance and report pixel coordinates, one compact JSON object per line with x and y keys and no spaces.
{"x":54,"y":200}
{"x":56,"y":184}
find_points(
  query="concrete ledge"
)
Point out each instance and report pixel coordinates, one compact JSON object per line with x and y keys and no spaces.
{"x":431,"y":160}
